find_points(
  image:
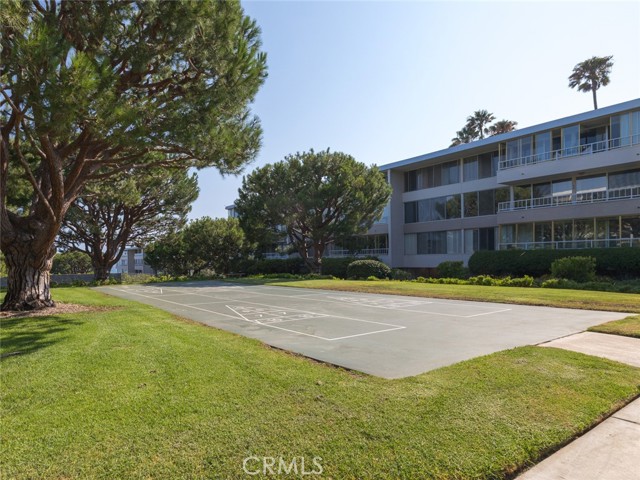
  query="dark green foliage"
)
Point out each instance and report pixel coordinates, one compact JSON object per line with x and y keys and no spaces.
{"x":94,"y":89}
{"x":313,"y":199}
{"x":204,"y":244}
{"x":368,"y":268}
{"x":292,"y":266}
{"x":129,"y":210}
{"x":399,"y":274}
{"x":71,"y":262}
{"x":611,"y":262}
{"x":578,"y":269}
{"x":452,"y":269}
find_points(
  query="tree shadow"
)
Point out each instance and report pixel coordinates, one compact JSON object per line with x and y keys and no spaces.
{"x":24,"y":335}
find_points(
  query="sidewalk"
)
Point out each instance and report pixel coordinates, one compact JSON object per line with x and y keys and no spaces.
{"x":611,"y":450}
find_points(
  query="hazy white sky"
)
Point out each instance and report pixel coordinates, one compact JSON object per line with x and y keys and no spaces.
{"x":385,"y":81}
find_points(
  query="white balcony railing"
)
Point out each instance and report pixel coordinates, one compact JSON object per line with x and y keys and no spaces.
{"x":565,"y":244}
{"x":586,"y":149}
{"x":614,"y":194}
{"x":365,"y":252}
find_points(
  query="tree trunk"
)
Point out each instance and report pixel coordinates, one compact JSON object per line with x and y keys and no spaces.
{"x":101,"y":272}
{"x":28,"y":278}
{"x":595,"y":102}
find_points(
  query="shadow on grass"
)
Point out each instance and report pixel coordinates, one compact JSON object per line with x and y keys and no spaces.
{"x":23,"y":335}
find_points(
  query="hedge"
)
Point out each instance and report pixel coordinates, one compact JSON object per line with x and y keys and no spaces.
{"x":623,"y":262}
{"x":336,"y":267}
{"x":368,"y":268}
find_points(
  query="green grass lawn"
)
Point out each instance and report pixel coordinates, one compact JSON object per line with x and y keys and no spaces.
{"x":549,"y":297}
{"x":629,"y":327}
{"x":137,"y":393}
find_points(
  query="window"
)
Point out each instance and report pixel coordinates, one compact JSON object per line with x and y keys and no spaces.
{"x":562,"y":191}
{"x":630,"y":227}
{"x":453,"y":209}
{"x":479,"y":239}
{"x":525,"y":233}
{"x":541,"y":190}
{"x":513,"y":150}
{"x":410,"y":244}
{"x":434,"y":176}
{"x":630,"y":178}
{"x":588,"y":188}
{"x":450,"y":173}
{"x":584,"y":229}
{"x":487,"y":238}
{"x":410,"y":212}
{"x":486,"y":202}
{"x":542,"y":146}
{"x":522,"y":192}
{"x":620,"y":130}
{"x":470,"y":169}
{"x":432,"y":243}
{"x":507,"y":234}
{"x":502,"y":195}
{"x":488,"y":165}
{"x":471,"y":204}
{"x":570,"y":140}
{"x":563,"y":231}
{"x":410,"y":181}
{"x":542,"y":232}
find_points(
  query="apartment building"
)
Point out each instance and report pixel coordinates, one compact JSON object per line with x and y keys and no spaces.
{"x":568,"y":183}
{"x":132,"y":262}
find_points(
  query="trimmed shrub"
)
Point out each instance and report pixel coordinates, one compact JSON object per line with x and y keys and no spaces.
{"x":623,"y":262}
{"x":368,"y":268}
{"x":398,"y":274}
{"x":452,"y":269}
{"x":578,"y":269}
{"x":336,"y":267}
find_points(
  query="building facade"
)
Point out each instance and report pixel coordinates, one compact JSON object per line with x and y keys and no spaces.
{"x":132,"y":262}
{"x":568,"y":183}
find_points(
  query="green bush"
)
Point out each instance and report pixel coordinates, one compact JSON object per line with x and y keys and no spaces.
{"x":578,"y":269}
{"x":336,"y":267}
{"x":368,"y":268}
{"x":398,"y":274}
{"x":452,"y":269}
{"x":619,"y":263}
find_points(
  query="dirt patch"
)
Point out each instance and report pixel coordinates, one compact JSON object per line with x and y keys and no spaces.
{"x":59,"y":309}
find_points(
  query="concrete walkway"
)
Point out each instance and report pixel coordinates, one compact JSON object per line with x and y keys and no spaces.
{"x":610,"y":451}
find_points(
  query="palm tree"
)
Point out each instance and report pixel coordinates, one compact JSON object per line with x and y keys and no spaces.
{"x":466,"y":135}
{"x":479,"y":122}
{"x":590,"y":75}
{"x":502,"y":126}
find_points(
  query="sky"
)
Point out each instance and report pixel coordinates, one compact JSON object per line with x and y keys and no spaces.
{"x":386,"y":81}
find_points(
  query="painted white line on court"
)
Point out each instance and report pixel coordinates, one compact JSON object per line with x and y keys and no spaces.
{"x":176,"y":303}
{"x":322,"y":314}
{"x":366,"y":333}
{"x":242,"y":317}
{"x":369,"y":306}
{"x":488,"y":313}
{"x":279,"y":328}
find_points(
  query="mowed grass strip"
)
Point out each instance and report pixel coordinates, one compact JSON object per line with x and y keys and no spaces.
{"x":137,"y":393}
{"x":628,"y":327}
{"x":547,"y":297}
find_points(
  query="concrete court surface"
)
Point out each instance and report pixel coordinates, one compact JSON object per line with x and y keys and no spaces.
{"x":385,"y":335}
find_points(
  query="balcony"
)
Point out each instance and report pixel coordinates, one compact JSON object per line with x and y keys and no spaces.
{"x":625,"y":193}
{"x":587,"y":149}
{"x":365,"y":252}
{"x":576,"y":244}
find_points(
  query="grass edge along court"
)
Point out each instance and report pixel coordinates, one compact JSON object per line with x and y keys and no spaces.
{"x":132,"y":391}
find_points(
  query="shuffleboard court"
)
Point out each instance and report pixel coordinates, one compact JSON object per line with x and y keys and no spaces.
{"x":385,"y":335}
